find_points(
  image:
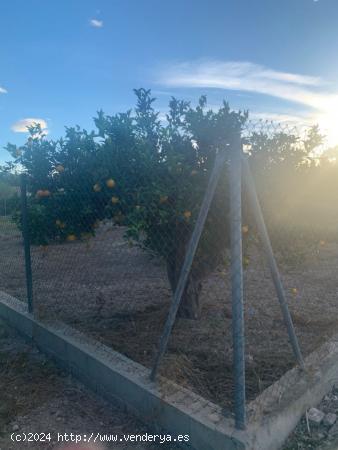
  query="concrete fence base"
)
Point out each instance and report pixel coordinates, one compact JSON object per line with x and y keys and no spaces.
{"x":168,"y":407}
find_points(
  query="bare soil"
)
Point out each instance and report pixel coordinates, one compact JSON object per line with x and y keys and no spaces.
{"x":120,"y":295}
{"x":38,"y":399}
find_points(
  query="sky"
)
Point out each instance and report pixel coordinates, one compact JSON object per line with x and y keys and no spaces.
{"x":61,"y":61}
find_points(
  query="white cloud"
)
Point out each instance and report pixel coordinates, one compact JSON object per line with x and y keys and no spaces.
{"x":319,"y":97}
{"x":96,"y":23}
{"x":3,"y":90}
{"x":250,"y":77}
{"x":21,"y":125}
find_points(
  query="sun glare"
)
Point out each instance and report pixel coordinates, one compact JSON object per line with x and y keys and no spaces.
{"x":327,"y":120}
{"x":329,"y":126}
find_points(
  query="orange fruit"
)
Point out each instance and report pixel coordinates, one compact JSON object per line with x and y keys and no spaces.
{"x":114,"y":200}
{"x":163,"y":199}
{"x":59,"y":168}
{"x":71,"y":237}
{"x":294,"y":291}
{"x":245,"y":229}
{"x":187,"y":214}
{"x":60,"y":224}
{"x":110,"y":183}
{"x":43,"y":193}
{"x":97,"y":187}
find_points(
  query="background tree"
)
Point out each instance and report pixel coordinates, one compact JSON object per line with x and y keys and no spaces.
{"x":9,"y":189}
{"x":281,"y":161}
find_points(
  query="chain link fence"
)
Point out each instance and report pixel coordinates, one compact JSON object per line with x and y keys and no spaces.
{"x":115,"y":248}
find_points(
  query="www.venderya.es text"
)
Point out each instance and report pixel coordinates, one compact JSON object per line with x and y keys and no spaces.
{"x":98,"y":437}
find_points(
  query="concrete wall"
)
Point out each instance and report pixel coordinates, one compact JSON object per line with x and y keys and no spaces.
{"x":163,"y":404}
{"x":276,"y":412}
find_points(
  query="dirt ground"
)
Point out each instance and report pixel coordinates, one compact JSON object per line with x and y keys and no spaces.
{"x":38,"y":398}
{"x":118,"y":294}
{"x":323,"y":436}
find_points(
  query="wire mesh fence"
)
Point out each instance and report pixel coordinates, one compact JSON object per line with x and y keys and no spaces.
{"x":12,"y":273}
{"x":109,"y":235}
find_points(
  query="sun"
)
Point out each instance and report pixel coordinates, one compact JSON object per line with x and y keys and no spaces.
{"x":328,"y":123}
{"x":327,"y":120}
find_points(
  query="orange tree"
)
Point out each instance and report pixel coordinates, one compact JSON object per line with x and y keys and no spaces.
{"x":161,"y":172}
{"x":61,"y":174}
{"x":146,"y":175}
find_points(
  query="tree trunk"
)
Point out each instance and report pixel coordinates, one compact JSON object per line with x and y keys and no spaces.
{"x":190,"y":304}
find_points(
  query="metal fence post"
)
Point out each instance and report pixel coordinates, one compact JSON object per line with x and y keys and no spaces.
{"x":237,"y":283}
{"x":26,"y":242}
{"x":251,"y":189}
